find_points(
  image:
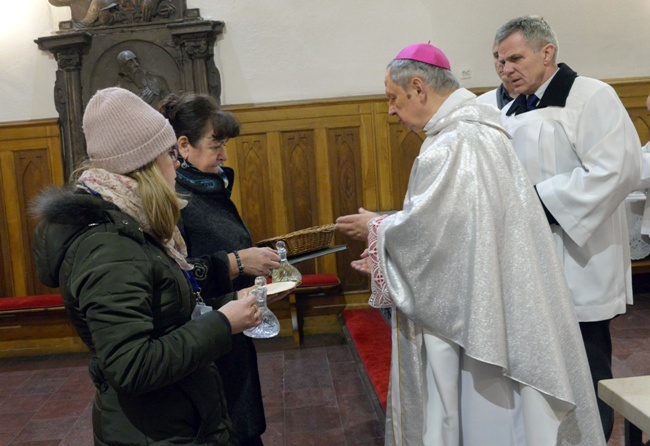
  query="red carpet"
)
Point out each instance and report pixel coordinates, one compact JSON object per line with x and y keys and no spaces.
{"x":371,"y":336}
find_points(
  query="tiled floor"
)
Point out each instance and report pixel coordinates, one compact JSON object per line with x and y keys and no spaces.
{"x":631,"y":346}
{"x":313,"y":395}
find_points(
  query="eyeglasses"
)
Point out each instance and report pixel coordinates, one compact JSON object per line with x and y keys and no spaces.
{"x":173,"y":152}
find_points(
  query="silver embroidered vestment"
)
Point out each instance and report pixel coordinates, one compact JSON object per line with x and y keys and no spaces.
{"x":470,"y":259}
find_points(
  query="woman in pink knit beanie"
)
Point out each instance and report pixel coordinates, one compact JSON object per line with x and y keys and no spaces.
{"x":112,"y":246}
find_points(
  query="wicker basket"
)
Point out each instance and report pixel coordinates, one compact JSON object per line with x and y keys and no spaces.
{"x":303,"y":241}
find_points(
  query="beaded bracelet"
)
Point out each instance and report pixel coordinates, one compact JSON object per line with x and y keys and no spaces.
{"x":240,"y":265}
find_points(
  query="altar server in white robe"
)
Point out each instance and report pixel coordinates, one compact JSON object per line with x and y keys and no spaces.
{"x":583,"y":155}
{"x":504,"y":93}
{"x":486,"y":346}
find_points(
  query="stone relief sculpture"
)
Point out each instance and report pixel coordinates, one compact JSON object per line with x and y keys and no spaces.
{"x":149,"y":86}
{"x":89,"y":13}
{"x":150,"y":47}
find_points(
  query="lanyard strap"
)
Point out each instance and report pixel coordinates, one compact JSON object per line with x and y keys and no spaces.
{"x":195,"y":286}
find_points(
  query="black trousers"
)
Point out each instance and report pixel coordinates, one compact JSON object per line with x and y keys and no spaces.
{"x":598,"y":345}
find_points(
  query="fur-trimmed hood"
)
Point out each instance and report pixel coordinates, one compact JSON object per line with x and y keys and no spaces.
{"x":68,"y":206}
{"x":63,"y":215}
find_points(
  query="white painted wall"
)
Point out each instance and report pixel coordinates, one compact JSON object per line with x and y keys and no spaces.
{"x":285,"y":50}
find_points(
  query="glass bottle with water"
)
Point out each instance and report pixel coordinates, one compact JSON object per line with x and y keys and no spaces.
{"x":286,"y":272}
{"x":270,"y":326}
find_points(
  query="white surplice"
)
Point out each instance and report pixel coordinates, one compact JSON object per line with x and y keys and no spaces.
{"x":584,"y":158}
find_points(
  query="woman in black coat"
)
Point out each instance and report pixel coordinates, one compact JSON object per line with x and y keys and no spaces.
{"x":218,"y":240}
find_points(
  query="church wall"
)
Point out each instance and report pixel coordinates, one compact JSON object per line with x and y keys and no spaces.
{"x":289,"y":50}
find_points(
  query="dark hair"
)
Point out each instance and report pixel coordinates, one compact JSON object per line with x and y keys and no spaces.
{"x":190,"y":113}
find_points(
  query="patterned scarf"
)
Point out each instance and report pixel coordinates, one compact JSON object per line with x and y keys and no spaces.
{"x":122,"y":191}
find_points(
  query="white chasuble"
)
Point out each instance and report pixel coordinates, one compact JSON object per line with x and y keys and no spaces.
{"x":486,"y":344}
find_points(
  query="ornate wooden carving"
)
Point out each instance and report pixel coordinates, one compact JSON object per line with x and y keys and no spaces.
{"x":344,"y":149}
{"x":297,"y":154}
{"x":30,"y":160}
{"x":32,"y":173}
{"x":641,"y":120}
{"x":405,"y":147}
{"x":6,"y":272}
{"x":252,"y":178}
{"x":150,"y":47}
{"x":299,"y":178}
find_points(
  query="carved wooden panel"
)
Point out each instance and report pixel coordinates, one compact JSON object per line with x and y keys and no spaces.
{"x":252,"y":180}
{"x":30,"y":160}
{"x":641,"y":120}
{"x":405,"y":147}
{"x":297,"y":154}
{"x":299,"y":180}
{"x":344,"y":147}
{"x":32,"y":174}
{"x":6,"y":272}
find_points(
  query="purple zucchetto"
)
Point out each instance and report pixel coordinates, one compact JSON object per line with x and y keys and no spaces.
{"x":426,"y":53}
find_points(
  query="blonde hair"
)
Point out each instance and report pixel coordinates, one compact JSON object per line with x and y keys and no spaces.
{"x":159,"y":201}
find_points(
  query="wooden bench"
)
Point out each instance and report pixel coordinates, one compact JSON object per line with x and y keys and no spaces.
{"x":630,"y":397}
{"x":313,"y":285}
{"x":36,"y":325}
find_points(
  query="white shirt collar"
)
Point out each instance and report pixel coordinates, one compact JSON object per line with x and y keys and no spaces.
{"x":542,"y":88}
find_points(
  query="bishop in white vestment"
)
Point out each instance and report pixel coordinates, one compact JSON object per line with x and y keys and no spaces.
{"x":486,"y":346}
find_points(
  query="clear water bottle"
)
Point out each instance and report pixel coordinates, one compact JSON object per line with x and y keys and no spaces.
{"x":270,"y":326}
{"x":286,"y":272}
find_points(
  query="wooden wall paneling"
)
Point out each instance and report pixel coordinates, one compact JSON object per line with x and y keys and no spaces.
{"x":30,"y":159}
{"x":323,"y":190}
{"x":406,"y":147}
{"x":287,"y":115}
{"x":323,"y":203}
{"x":633,"y":92}
{"x":275,"y":171}
{"x":641,"y":119}
{"x":298,"y":158}
{"x":6,"y":271}
{"x":55,"y":152}
{"x":297,"y":165}
{"x":14,"y":224}
{"x":253,"y":185}
{"x":299,"y":177}
{"x":32,"y":173}
{"x":347,"y":195}
{"x":382,"y":157}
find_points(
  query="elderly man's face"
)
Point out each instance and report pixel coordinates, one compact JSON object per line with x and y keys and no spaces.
{"x":526,"y":68}
{"x":402,"y":104}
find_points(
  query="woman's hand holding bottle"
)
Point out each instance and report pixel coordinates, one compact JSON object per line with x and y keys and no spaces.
{"x":242,"y":312}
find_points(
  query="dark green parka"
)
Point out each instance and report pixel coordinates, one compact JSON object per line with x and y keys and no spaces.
{"x":131,"y":305}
